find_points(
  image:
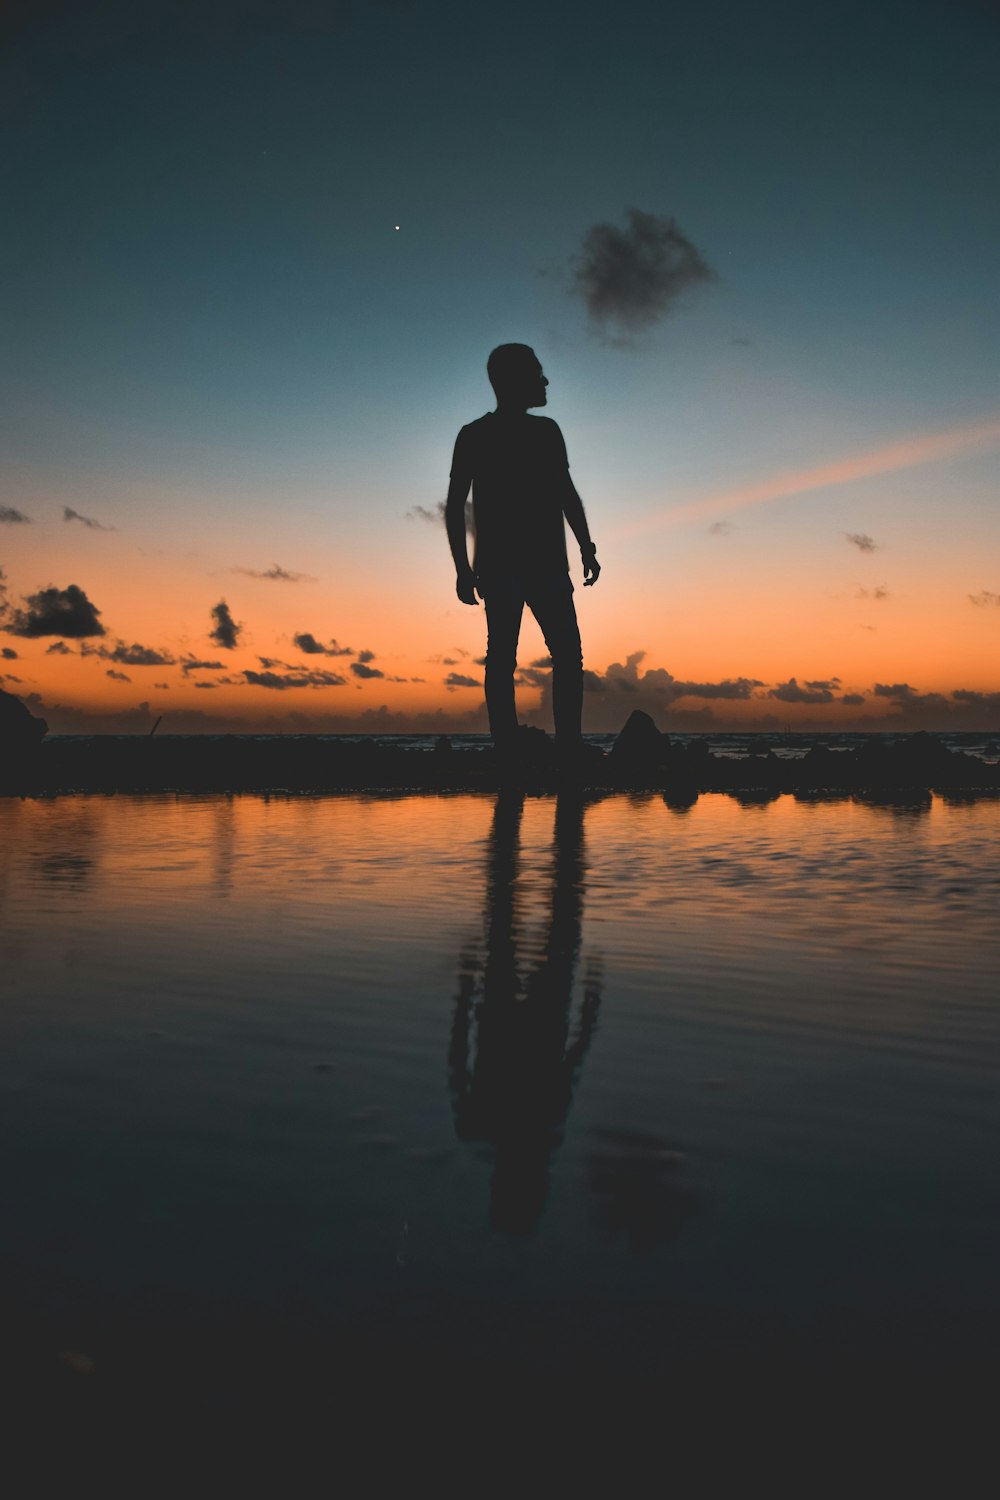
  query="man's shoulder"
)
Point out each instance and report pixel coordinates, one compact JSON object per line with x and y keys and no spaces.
{"x":474,"y":429}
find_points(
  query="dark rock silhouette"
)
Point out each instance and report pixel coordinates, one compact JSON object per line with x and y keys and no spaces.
{"x":31,"y":765}
{"x":20,"y":730}
{"x":640,"y":743}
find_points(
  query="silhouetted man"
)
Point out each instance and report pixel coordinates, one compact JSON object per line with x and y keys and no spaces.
{"x":521,"y":493}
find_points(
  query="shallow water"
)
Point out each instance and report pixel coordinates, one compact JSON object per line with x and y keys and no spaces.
{"x":402,"y":1074}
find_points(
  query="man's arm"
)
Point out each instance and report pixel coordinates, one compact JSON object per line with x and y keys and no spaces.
{"x":454,"y":520}
{"x":574,"y":513}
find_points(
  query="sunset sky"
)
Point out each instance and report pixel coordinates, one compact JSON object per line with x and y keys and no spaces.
{"x":231,"y":384}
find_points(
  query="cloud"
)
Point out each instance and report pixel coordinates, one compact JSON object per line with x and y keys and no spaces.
{"x":280,"y":682}
{"x":206,"y":684}
{"x":58,"y":648}
{"x":117,"y":676}
{"x":163,"y":686}
{"x":425,"y":513}
{"x":809,"y":692}
{"x":852,"y":699}
{"x":985,"y":600}
{"x":132,"y":655}
{"x":226,"y":632}
{"x":55,"y":611}
{"x":69,"y":514}
{"x":360,"y":669}
{"x":976,"y":699}
{"x":900,"y":692}
{"x":861,"y":540}
{"x":192,"y":664}
{"x":366,"y":656}
{"x":630,"y":278}
{"x":307,"y":642}
{"x":458,"y":680}
{"x":720,"y":528}
{"x":11,"y":517}
{"x":436,"y":515}
{"x":276,"y":574}
{"x":9,"y":654}
{"x":878,"y":592}
{"x":906,"y":453}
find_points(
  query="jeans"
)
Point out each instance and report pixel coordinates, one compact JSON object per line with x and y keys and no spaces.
{"x":550,"y":600}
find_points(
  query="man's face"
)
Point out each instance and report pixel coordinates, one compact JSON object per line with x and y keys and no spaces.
{"x":536,"y":384}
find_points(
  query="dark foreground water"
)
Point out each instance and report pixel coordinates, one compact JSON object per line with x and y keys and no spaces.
{"x":349,"y":1099}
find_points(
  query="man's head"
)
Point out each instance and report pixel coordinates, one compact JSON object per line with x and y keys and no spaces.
{"x":516,"y":376}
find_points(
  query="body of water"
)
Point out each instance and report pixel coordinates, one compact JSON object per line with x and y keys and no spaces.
{"x":358,"y":1091}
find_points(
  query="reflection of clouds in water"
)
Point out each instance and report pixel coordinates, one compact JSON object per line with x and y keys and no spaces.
{"x":515,"y":1050}
{"x":65,"y":841}
{"x":66,"y":869}
{"x":635,"y":1180}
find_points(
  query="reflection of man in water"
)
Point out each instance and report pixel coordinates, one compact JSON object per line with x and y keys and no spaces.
{"x":521,"y":493}
{"x":515,"y":1089}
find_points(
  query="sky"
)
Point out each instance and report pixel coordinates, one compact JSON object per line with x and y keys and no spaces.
{"x":255,"y":257}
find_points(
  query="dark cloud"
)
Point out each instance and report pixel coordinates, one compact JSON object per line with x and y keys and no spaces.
{"x":206,"y":685}
{"x":58,"y":648}
{"x":132,"y":655}
{"x":457,"y":680}
{"x":976,"y":699}
{"x":280,"y":682}
{"x":900,"y":692}
{"x":226,"y":632}
{"x":276,"y":574}
{"x":436,"y":515}
{"x":117,"y":676}
{"x":878,"y":592}
{"x":163,"y":686}
{"x":9,"y":654}
{"x":360,"y":669}
{"x":985,"y":600}
{"x":720,"y":528}
{"x":307,"y":642}
{"x":55,"y":611}
{"x":630,"y":278}
{"x":366,"y":656}
{"x":860,"y":540}
{"x":11,"y":517}
{"x":807,"y":692}
{"x":543,"y":661}
{"x":69,"y":514}
{"x":192,"y":664}
{"x":853,"y":699}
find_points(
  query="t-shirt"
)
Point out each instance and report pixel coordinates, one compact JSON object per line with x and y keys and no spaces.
{"x":519,"y":472}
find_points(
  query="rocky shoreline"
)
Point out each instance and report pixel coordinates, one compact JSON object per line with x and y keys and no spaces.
{"x":641,"y":759}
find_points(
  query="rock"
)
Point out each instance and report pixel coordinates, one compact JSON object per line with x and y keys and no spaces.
{"x":640,"y":743}
{"x":19,"y":729}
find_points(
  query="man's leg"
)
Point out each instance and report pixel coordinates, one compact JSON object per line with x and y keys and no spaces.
{"x":504,"y":602}
{"x":552,"y":606}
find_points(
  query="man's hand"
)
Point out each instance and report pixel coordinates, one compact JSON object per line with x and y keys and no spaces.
{"x":465,"y":587}
{"x":591,"y":567}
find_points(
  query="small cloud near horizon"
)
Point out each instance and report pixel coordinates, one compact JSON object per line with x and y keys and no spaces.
{"x":226,"y":632}
{"x":69,"y":514}
{"x":276,"y":574}
{"x":282,"y":681}
{"x":459,"y":680}
{"x":985,"y":600}
{"x":720,"y":528}
{"x":307,"y":642}
{"x":862,"y":541}
{"x":11,"y":516}
{"x":361,"y":669}
{"x":117,"y":676}
{"x":54,"y":611}
{"x":878,"y":592}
